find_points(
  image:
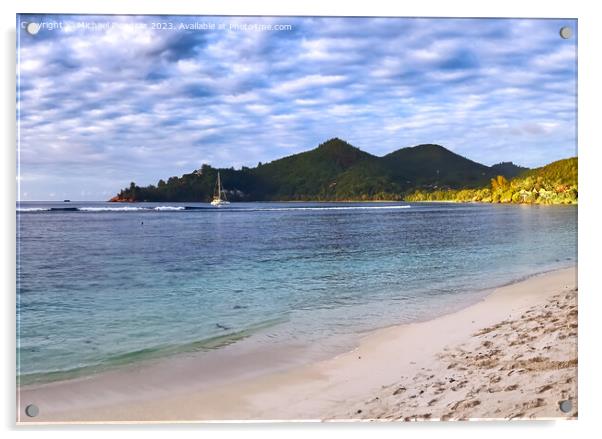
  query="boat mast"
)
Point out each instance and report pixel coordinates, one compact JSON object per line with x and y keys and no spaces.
{"x":222,"y":192}
{"x":219,"y":187}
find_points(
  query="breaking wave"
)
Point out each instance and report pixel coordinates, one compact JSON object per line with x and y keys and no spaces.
{"x":231,"y":208}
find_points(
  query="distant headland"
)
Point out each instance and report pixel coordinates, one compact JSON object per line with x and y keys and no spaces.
{"x":338,"y":171}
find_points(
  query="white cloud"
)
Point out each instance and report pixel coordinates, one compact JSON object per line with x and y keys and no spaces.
{"x":307,"y":83}
{"x":147,"y":105}
{"x":561,"y":58}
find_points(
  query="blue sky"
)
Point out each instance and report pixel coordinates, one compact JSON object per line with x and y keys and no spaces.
{"x":120,"y":101}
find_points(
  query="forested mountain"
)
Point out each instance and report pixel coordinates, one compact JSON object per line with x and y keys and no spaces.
{"x":508,"y":169}
{"x":335,"y":170}
{"x":555,"y":183}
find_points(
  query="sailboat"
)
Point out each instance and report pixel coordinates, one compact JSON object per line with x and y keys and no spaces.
{"x":218,"y":201}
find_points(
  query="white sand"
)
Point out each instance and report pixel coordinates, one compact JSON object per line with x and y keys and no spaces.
{"x":512,"y":355}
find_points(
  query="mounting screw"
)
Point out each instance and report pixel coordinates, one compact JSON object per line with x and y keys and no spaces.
{"x":566,"y":32}
{"x":32,"y":28}
{"x":565,"y":406}
{"x":32,"y":410}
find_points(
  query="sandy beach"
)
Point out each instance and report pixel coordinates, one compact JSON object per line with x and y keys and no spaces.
{"x":512,"y":355}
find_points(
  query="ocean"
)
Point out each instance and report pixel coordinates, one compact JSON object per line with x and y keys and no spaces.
{"x":106,"y":285}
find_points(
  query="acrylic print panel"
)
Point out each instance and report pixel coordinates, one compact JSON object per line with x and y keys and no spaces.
{"x":296,"y":218}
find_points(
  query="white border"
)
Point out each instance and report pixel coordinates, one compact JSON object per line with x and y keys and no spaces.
{"x":590,"y":143}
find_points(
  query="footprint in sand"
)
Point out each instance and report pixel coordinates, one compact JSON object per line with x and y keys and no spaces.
{"x":399,"y":390}
{"x":539,"y":402}
{"x":465,"y":404}
{"x":516,"y":415}
{"x":544,"y":388}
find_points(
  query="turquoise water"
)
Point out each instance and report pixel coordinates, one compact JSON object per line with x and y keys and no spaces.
{"x":103,"y":285}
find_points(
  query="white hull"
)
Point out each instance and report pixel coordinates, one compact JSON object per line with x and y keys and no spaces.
{"x":218,"y":200}
{"x":219,"y":203}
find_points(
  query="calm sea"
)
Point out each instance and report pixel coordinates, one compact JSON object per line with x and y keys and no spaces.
{"x":100,"y":285}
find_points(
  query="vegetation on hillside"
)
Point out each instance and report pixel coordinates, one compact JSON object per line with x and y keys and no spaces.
{"x":555,"y":183}
{"x":338,"y":171}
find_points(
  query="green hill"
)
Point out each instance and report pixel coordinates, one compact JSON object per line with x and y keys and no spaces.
{"x":433,"y":165}
{"x":508,"y":169}
{"x":338,"y":171}
{"x":555,"y":183}
{"x":561,"y":172}
{"x":308,"y":175}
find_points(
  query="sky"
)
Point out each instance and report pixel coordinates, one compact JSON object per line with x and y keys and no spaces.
{"x":106,"y":100}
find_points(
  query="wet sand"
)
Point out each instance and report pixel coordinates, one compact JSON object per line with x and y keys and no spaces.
{"x":512,"y":355}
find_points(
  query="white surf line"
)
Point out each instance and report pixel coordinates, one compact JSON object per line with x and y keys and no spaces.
{"x":330,"y":208}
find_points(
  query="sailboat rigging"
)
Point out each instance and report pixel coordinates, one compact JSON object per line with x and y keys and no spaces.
{"x":219,"y":197}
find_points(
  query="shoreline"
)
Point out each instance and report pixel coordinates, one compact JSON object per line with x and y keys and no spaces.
{"x":352,"y":340}
{"x":575,"y":203}
{"x":309,"y":390}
